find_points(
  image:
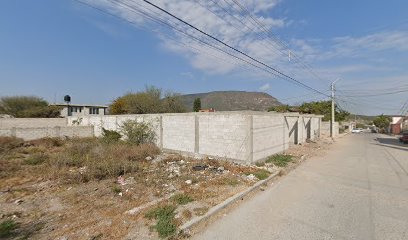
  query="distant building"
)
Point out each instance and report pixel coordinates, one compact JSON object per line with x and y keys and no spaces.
{"x":398,"y":124}
{"x":82,"y":110}
{"x":207,"y":110}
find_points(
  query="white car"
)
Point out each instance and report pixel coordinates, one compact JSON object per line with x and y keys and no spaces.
{"x":357,"y":130}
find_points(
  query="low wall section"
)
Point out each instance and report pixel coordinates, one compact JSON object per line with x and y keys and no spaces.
{"x":42,"y":132}
{"x":242,"y":136}
{"x":8,"y":123}
{"x":325,"y":129}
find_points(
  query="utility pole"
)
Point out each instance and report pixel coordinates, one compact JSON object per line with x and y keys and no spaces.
{"x":333,"y":120}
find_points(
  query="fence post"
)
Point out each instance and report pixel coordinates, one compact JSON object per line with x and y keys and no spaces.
{"x":58,"y":132}
{"x":250,"y":134}
{"x":197,"y":134}
{"x":161,"y":131}
{"x":13,"y":132}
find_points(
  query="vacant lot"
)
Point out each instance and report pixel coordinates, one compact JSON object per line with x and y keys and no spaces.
{"x":96,"y":189}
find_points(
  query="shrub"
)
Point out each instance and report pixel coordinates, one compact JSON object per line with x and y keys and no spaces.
{"x":48,"y":142}
{"x":110,"y":136}
{"x":27,"y":106}
{"x":261,"y":174}
{"x":138,"y":133}
{"x":260,"y":164}
{"x":279,"y":160}
{"x":6,"y":228}
{"x":36,"y":158}
{"x":151,"y":100}
{"x":9,"y":143}
{"x":164,"y":215}
{"x":182,"y":199}
{"x":116,"y":189}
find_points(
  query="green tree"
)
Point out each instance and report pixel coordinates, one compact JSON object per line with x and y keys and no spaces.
{"x":171,"y":103}
{"x":148,"y":101}
{"x":382,"y":121}
{"x":28,"y":107}
{"x":324,"y":108}
{"x":280,"y":108}
{"x":197,"y":105}
{"x":318,"y":108}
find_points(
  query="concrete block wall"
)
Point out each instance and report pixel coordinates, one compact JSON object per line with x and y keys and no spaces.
{"x":224,"y":135}
{"x":179,"y":133}
{"x":42,"y":132}
{"x":325,"y":129}
{"x":270,"y":136}
{"x":292,"y":128}
{"x":241,"y":136}
{"x":8,"y":123}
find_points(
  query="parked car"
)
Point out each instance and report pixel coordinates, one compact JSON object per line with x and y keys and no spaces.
{"x":404,"y":137}
{"x":357,"y":130}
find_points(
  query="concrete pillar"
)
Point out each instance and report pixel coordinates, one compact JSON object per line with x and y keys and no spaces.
{"x":161,"y":131}
{"x":57,"y":132}
{"x":197,"y":134}
{"x":284,"y":132}
{"x":13,"y":132}
{"x":250,"y":141}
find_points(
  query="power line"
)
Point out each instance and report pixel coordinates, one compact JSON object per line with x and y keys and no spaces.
{"x":236,"y":50}
{"x":276,"y":38}
{"x":375,"y":95}
{"x":163,"y":23}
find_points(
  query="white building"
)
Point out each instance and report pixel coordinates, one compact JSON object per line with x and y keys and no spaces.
{"x":69,"y":110}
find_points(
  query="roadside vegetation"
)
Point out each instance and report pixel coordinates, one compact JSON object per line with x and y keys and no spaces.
{"x":6,"y":228}
{"x":382,"y":122}
{"x":61,"y":186}
{"x":151,"y":100}
{"x":28,"y":107}
{"x":64,"y":187}
{"x":280,"y":160}
{"x":318,"y":108}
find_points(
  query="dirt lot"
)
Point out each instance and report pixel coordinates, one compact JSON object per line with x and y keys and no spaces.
{"x":87,"y":189}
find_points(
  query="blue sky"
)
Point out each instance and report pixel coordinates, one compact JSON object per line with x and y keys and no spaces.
{"x":52,"y":48}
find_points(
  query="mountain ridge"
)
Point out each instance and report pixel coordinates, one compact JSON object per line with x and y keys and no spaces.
{"x":231,"y":100}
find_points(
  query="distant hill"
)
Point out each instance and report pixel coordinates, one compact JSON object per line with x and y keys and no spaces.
{"x":231,"y":100}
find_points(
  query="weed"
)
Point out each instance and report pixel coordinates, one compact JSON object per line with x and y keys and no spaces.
{"x":164,"y":215}
{"x":116,"y":189}
{"x":181,"y":199}
{"x":138,"y":133}
{"x":99,"y":161}
{"x":279,"y":160}
{"x":261,"y":174}
{"x":9,"y":143}
{"x":260,"y":164}
{"x":48,"y":142}
{"x":200,"y":211}
{"x":7,"y":227}
{"x":110,"y":136}
{"x":227,"y":181}
{"x":36,"y":158}
{"x":187,"y":214}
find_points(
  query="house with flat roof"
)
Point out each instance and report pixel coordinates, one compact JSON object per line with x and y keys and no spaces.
{"x":69,"y":110}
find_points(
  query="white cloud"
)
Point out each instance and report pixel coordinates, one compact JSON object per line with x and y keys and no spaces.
{"x":265,"y":87}
{"x":226,"y":21}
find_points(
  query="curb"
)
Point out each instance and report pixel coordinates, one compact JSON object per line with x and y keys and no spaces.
{"x":185,"y":228}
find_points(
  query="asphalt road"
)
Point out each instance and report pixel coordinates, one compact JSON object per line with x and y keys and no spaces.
{"x":359,"y":190}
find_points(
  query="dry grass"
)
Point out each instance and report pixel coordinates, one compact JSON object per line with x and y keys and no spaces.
{"x":73,"y":183}
{"x":9,"y":143}
{"x":82,"y":161}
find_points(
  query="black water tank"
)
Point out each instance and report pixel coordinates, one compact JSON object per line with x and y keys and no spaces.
{"x":67,"y":99}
